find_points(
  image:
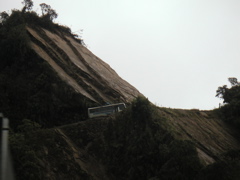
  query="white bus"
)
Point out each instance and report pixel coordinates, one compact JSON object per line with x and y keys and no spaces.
{"x":105,"y":110}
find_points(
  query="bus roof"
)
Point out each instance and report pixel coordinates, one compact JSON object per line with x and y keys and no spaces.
{"x":106,"y":105}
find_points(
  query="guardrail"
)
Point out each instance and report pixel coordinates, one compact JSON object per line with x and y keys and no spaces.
{"x":6,"y":170}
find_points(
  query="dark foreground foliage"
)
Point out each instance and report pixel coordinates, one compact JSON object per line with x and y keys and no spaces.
{"x":138,"y":145}
{"x":135,"y":144}
{"x":41,"y":154}
{"x":228,"y":168}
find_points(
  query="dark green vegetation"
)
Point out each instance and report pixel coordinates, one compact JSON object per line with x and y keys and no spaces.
{"x":139,"y":144}
{"x":141,"y":147}
{"x":33,"y":96}
{"x":29,"y":88}
{"x":42,"y":154}
{"x":228,"y":166}
{"x":231,"y":99}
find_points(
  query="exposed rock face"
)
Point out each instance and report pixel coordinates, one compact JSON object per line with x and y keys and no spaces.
{"x":80,"y":68}
{"x":210,"y":134}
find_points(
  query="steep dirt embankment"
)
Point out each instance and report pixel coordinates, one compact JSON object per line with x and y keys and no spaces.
{"x":80,"y":68}
{"x":211,"y":135}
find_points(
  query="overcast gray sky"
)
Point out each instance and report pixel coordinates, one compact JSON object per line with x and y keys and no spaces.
{"x":176,"y":52}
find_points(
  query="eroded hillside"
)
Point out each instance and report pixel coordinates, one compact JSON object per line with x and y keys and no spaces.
{"x":50,"y":77}
{"x":80,"y":68}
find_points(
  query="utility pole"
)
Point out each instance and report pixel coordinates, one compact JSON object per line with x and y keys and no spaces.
{"x":6,"y":170}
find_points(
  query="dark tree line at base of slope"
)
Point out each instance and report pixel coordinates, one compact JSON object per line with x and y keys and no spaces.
{"x":135,"y":144}
{"x":138,"y":144}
